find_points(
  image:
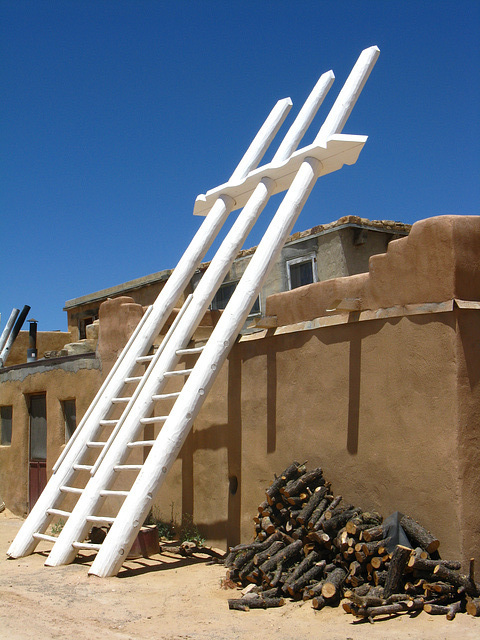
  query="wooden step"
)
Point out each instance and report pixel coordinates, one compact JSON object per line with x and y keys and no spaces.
{"x":153,"y":420}
{"x":178,"y":372}
{"x":141,"y":443}
{"x":43,"y":536}
{"x":66,"y":489}
{"x":59,"y":512}
{"x":127,"y":467}
{"x":166,"y":396}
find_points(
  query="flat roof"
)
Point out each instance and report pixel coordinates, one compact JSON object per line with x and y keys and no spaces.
{"x":385,"y":226}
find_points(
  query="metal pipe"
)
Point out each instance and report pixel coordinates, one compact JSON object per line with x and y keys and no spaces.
{"x":8,"y":328}
{"x":32,"y":353}
{"x":13,"y":335}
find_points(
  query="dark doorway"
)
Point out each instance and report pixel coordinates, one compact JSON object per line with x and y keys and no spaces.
{"x":38,"y":448}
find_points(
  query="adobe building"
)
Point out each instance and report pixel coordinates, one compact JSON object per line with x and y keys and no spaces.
{"x":370,"y":368}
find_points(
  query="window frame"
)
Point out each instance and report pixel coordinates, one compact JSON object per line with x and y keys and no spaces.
{"x":214,"y":307}
{"x":66,"y":417}
{"x":3,"y":441}
{"x":309,"y":257}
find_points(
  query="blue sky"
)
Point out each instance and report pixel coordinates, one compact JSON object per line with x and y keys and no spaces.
{"x":116,"y":114}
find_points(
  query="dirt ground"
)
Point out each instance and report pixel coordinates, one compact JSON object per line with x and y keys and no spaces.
{"x":168,"y":597}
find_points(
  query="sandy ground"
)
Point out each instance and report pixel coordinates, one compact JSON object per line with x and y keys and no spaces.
{"x":172,"y":598}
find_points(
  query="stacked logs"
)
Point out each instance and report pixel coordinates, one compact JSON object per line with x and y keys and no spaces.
{"x":310,"y":546}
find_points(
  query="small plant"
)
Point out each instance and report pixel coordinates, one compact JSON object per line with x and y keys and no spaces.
{"x":57,"y":527}
{"x":166,"y":529}
{"x":189,"y":531}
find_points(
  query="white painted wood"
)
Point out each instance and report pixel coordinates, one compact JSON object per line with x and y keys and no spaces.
{"x":155,"y":317}
{"x":334,"y":153}
{"x":178,"y":424}
{"x":8,"y":328}
{"x":161,"y":367}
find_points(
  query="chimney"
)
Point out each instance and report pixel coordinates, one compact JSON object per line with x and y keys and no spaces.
{"x":32,"y":341}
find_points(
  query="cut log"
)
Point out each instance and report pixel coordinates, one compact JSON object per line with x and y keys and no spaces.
{"x":416,"y":562}
{"x":292,"y":471}
{"x":311,"y":505}
{"x":286,"y":553}
{"x":318,"y":602}
{"x":267,"y":553}
{"x":302,"y":581}
{"x":338,"y":521}
{"x":301,"y":568}
{"x":436,"y":609}
{"x":374,"y":533}
{"x":418,"y":535}
{"x":473,"y":607}
{"x":310,"y":478}
{"x":398,"y":562}
{"x":333,"y":582}
{"x":458,"y":580}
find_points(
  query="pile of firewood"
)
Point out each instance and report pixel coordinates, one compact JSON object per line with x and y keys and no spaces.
{"x":310,"y":546}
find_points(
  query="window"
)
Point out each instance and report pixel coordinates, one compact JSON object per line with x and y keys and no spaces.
{"x":70,"y":418}
{"x":6,"y":425}
{"x":83,"y":324}
{"x":224,"y":294}
{"x":301,"y":271}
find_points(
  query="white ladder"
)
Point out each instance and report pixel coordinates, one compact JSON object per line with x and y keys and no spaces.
{"x":251,"y":188}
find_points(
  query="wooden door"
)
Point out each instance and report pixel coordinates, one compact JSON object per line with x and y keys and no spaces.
{"x":38,"y":448}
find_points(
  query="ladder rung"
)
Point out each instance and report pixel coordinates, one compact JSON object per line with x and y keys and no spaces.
{"x":59,"y":512}
{"x":120,"y":400}
{"x":106,"y":423}
{"x":66,"y":489}
{"x":144,"y":359}
{"x":153,"y":420}
{"x":113,"y":492}
{"x":127,"y":467}
{"x":164,"y":396}
{"x":86,"y":545}
{"x":82,"y":467}
{"x":134,"y":379}
{"x":105,"y":519}
{"x":185,"y":352}
{"x":43,"y":536}
{"x":178,"y":372}
{"x":141,"y":443}
{"x":95,"y":445}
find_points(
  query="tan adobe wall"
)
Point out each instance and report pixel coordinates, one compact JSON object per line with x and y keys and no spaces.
{"x":46,"y":341}
{"x":79,"y":379}
{"x":386,"y":402}
{"x":439,"y":260}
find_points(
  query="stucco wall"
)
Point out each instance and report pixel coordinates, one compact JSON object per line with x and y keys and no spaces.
{"x":374,"y":403}
{"x":77,"y":378}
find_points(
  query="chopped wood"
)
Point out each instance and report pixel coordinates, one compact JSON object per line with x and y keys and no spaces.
{"x":473,"y":607}
{"x":333,"y":582}
{"x":418,"y":535}
{"x":322,"y":550}
{"x":290,"y":472}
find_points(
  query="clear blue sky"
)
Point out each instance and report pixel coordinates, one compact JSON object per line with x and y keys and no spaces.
{"x":117,"y":113}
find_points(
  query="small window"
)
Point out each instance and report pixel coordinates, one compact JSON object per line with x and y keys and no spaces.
{"x":82,"y":326}
{"x":70,"y":418}
{"x":6,"y":425}
{"x":301,"y":271}
{"x":224,"y":294}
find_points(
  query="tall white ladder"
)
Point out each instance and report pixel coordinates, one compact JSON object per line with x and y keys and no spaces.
{"x":138,"y":379}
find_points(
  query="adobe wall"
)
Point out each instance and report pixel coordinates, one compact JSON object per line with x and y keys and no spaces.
{"x":77,"y":378}
{"x":46,"y":341}
{"x":386,"y":399}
